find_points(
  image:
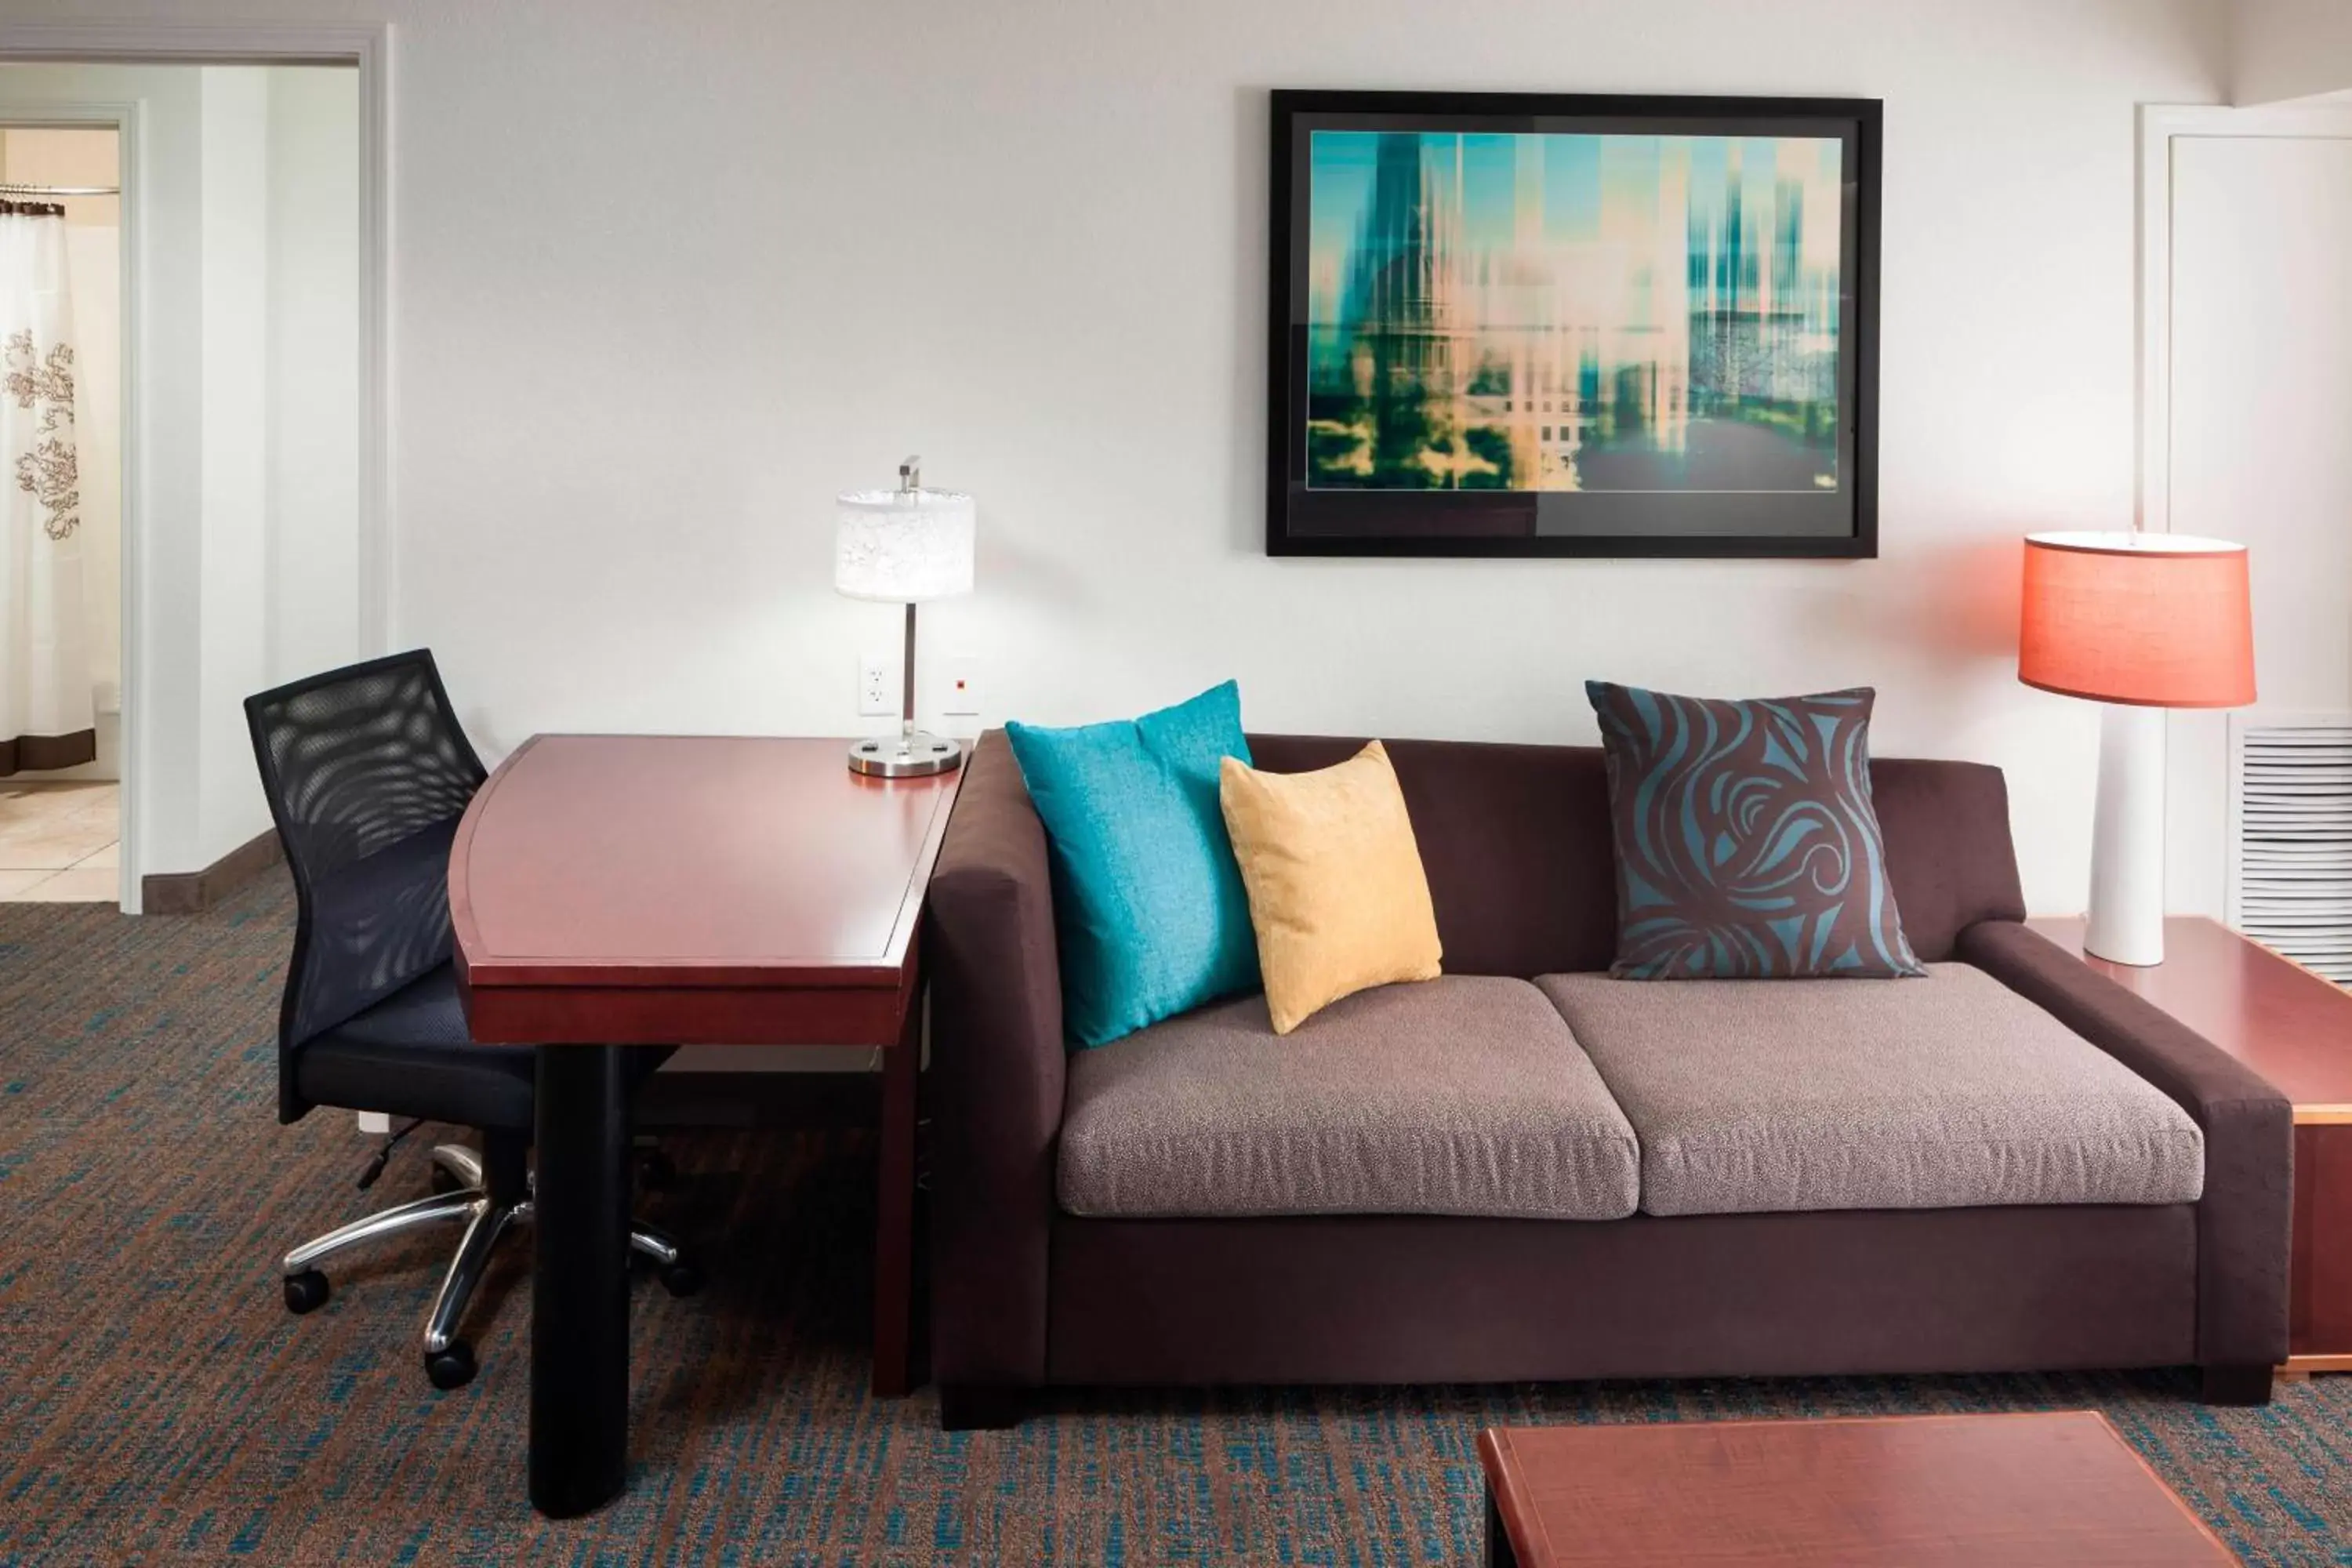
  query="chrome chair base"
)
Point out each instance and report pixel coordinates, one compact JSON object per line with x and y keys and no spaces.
{"x":449,"y":1359}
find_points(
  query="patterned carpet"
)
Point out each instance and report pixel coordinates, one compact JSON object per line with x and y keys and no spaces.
{"x":158,"y":1405}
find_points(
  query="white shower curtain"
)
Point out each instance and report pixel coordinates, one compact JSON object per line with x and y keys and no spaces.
{"x":46,"y":716}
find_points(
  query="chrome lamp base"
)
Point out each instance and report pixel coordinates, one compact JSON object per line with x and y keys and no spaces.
{"x":916,"y":755}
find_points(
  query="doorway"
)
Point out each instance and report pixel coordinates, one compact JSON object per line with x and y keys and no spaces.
{"x":60,"y":810}
{"x":223,"y":448}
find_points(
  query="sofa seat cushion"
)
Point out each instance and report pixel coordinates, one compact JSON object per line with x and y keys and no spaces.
{"x":1463,"y":1095}
{"x":1951,"y":1091}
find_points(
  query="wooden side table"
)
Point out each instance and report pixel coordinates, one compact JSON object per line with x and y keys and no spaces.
{"x":2294,"y":1029}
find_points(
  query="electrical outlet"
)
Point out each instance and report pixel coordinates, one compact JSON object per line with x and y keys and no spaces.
{"x":960,"y":697}
{"x":874,"y":694}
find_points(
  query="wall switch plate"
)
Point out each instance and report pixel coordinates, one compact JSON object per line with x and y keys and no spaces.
{"x":876,"y":697}
{"x":960,"y":696}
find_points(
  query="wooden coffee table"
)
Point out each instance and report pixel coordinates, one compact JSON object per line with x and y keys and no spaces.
{"x":2019,"y":1491}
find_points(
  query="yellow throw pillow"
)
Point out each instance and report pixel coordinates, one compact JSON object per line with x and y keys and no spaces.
{"x":1337,"y":894}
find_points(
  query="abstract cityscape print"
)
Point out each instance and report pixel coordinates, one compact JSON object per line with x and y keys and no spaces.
{"x":1524,"y":312}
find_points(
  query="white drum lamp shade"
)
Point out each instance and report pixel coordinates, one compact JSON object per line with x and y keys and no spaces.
{"x":902,"y":547}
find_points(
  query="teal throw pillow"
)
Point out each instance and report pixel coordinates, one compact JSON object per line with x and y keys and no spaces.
{"x":1149,"y":905}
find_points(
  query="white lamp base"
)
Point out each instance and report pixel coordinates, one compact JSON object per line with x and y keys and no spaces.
{"x":2126,"y":918}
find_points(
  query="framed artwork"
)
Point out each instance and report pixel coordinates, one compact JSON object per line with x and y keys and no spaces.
{"x":1505,"y":324}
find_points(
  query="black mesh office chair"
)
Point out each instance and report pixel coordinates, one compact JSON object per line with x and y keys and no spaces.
{"x":367,"y":774}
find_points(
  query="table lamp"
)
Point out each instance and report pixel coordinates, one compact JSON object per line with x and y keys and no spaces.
{"x":2141,"y":622}
{"x":902,"y":547}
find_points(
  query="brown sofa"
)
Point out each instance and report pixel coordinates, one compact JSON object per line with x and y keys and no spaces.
{"x":1549,"y":1176}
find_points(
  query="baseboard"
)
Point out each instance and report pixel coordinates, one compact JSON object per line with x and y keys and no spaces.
{"x":194,"y":892}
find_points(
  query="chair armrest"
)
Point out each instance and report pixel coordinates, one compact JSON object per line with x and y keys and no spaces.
{"x":2244,"y":1218}
{"x":996,"y":1070}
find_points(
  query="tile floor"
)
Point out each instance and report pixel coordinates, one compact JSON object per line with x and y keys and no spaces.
{"x":59,"y":843}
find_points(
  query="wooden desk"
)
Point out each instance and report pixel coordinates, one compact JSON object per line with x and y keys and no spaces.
{"x":2296,"y":1030}
{"x":609,"y":890}
{"x":2005,"y":1491}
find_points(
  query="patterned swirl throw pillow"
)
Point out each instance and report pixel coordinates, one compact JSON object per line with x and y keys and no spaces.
{"x":1747,"y":846}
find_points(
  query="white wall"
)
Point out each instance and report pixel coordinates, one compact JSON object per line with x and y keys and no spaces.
{"x":234,"y":655}
{"x":241,"y":378}
{"x":281,"y":417}
{"x":665,"y":280}
{"x":312,"y":526}
{"x":728,"y":268}
{"x":2288,"y":49}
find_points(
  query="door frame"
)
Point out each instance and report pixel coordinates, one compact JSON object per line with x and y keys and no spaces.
{"x":367,"y":48}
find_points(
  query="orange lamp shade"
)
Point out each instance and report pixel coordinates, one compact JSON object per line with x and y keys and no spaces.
{"x":2158,"y":620}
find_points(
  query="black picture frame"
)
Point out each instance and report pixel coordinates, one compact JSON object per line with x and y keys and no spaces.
{"x":1303,"y":520}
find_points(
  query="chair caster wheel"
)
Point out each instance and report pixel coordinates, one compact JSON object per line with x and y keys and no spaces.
{"x":444,"y":1180}
{"x":306,"y":1292}
{"x":681,"y":1278}
{"x":451,"y":1368}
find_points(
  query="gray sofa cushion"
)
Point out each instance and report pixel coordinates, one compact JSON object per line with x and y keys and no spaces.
{"x":1463,"y":1095}
{"x":1948,"y":1092}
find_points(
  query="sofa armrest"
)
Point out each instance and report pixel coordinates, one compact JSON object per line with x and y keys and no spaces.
{"x":2243,"y":1220}
{"x":996,"y":1068}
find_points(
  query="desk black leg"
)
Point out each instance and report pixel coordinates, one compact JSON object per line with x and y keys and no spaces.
{"x":579,"y":1283}
{"x":894,"y":1230}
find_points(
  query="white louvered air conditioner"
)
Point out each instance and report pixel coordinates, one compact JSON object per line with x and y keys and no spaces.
{"x":2290,"y":878}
